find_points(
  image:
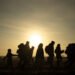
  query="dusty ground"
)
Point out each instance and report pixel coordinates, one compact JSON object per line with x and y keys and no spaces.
{"x":36,"y":69}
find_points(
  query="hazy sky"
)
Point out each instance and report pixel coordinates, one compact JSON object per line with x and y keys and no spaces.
{"x":52,"y":19}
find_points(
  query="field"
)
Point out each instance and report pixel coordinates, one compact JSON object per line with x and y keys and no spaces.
{"x":35,"y":69}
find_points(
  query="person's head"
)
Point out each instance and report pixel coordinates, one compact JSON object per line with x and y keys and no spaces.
{"x":21,"y":45}
{"x":27,"y":42}
{"x":53,"y":42}
{"x":32,"y":47}
{"x":40,"y":45}
{"x":9,"y":50}
{"x":58,"y":45}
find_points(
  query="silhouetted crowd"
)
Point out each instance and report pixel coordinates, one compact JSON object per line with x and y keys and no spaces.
{"x":24,"y":53}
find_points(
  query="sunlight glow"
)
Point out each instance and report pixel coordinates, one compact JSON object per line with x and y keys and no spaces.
{"x":35,"y":39}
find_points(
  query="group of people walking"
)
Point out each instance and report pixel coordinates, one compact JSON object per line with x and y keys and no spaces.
{"x":24,"y":53}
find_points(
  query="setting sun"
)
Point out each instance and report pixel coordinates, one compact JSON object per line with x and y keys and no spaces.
{"x":35,"y":39}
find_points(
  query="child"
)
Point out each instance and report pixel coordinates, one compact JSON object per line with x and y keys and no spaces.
{"x":8,"y":58}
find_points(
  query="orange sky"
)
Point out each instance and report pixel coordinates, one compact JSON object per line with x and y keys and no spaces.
{"x":51,"y":19}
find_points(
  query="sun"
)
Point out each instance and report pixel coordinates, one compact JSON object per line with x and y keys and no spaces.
{"x":35,"y":39}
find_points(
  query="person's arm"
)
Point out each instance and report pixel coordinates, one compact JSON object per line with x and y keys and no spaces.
{"x":14,"y":55}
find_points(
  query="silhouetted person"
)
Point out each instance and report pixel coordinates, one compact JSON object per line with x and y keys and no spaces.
{"x":58,"y":52}
{"x":27,"y":45}
{"x":27,"y":52}
{"x":50,"y":51}
{"x":8,"y":58}
{"x":39,"y":59}
{"x":31,"y":53}
{"x":70,"y":51}
{"x":21,"y":55}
